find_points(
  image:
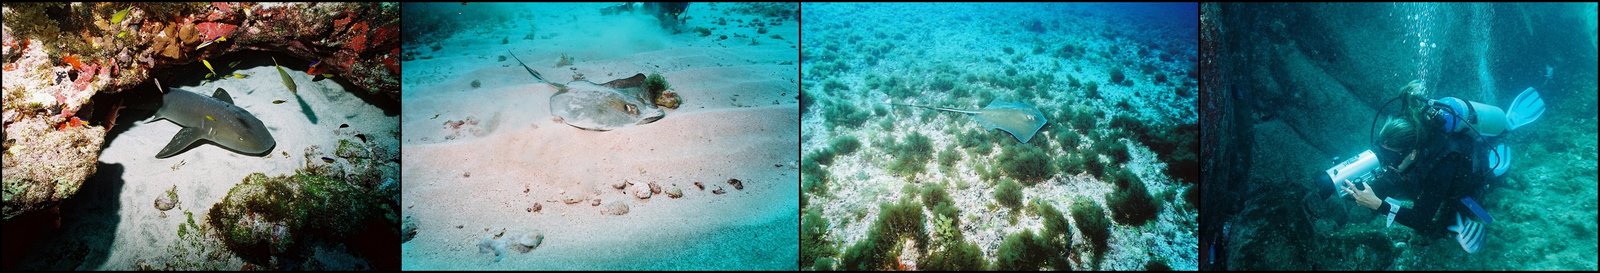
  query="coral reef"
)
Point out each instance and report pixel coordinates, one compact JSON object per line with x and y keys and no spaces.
{"x":44,"y":165}
{"x":59,"y":55}
{"x":265,"y":216}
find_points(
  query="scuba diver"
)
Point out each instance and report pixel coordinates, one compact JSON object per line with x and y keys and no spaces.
{"x":1439,"y":155}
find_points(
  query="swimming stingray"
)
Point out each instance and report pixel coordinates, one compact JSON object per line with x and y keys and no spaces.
{"x":601,"y":107}
{"x":1021,"y":120}
{"x":213,"y":118}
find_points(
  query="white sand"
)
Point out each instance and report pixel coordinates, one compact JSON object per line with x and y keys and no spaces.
{"x":204,"y":174}
{"x":739,"y":120}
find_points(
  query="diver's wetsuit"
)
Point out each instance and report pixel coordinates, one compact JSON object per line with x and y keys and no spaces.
{"x":1445,"y":170}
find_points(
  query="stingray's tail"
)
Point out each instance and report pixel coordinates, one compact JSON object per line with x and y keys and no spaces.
{"x":936,"y":108}
{"x":525,"y":66}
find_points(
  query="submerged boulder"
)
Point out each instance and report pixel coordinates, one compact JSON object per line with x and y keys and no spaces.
{"x":265,"y":216}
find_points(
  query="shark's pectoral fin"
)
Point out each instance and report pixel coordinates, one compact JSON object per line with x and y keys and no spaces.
{"x":182,"y":140}
{"x":222,"y":95}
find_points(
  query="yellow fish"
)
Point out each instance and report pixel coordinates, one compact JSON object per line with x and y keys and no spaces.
{"x":287,"y":82}
{"x":239,"y":76}
{"x":208,"y":67}
{"x":117,"y":18}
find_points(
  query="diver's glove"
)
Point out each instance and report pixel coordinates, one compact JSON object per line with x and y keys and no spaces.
{"x":1469,"y":233}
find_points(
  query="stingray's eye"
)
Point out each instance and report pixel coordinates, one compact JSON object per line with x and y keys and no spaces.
{"x":241,"y":138}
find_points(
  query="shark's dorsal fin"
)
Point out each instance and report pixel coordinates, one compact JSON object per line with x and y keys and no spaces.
{"x":222,"y":95}
{"x":635,"y":81}
{"x":185,"y":137}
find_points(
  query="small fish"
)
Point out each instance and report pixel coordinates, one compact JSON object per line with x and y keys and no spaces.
{"x":218,"y":40}
{"x":208,"y":117}
{"x":435,"y":116}
{"x":344,"y":125}
{"x":234,"y":64}
{"x":208,"y":67}
{"x":326,"y":75}
{"x":74,"y":122}
{"x":240,"y":76}
{"x":287,"y":82}
{"x":278,"y":101}
{"x":158,"y":86}
{"x":327,"y":159}
{"x":122,"y":34}
{"x":312,"y":69}
{"x":117,"y":18}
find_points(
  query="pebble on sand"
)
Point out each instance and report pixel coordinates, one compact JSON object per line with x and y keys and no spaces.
{"x":614,"y":208}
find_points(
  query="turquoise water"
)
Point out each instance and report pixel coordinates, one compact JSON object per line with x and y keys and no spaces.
{"x":1300,"y":84}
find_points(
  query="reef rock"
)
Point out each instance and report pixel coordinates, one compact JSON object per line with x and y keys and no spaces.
{"x":527,"y":241}
{"x":58,"y":55}
{"x":264,"y":216}
{"x":408,"y":229}
{"x":654,"y":188}
{"x":737,"y":185}
{"x":641,"y":193}
{"x":675,"y":193}
{"x":614,"y":208}
{"x":168,"y":200}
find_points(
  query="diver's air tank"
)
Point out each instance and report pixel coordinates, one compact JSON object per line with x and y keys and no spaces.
{"x":1357,"y":169}
{"x":1488,"y":120}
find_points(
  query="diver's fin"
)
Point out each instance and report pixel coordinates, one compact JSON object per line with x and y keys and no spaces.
{"x":1469,"y":233}
{"x":222,"y":95}
{"x":1525,"y":109}
{"x":185,"y":137}
{"x":1500,"y":159}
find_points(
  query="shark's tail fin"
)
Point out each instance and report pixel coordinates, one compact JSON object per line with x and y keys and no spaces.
{"x":1525,"y":109}
{"x":525,"y":66}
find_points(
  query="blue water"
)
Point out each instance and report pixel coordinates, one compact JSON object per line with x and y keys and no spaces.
{"x":1308,"y":79}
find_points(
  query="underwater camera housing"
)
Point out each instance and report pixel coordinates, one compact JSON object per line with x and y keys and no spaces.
{"x":1359,"y":169}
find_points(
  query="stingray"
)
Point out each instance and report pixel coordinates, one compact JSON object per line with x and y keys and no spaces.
{"x":600,"y":107}
{"x":1021,"y":120}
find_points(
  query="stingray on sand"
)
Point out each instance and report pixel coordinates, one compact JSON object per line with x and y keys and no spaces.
{"x":1021,"y":120}
{"x":601,"y":107}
